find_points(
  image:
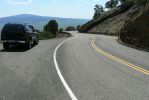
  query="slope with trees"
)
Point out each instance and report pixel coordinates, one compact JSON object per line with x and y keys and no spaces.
{"x":98,"y":11}
{"x":128,"y":18}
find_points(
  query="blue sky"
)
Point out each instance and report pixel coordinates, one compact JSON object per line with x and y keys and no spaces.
{"x":55,"y":8}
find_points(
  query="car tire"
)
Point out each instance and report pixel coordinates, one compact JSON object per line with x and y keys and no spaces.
{"x":29,"y":45}
{"x":6,"y":45}
{"x":36,"y":41}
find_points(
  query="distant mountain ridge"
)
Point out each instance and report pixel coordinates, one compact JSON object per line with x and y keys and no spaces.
{"x":40,"y":21}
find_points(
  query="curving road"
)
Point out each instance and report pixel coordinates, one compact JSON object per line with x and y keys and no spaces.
{"x":94,"y":67}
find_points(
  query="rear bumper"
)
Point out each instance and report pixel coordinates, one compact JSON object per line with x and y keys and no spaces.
{"x":13,"y":41}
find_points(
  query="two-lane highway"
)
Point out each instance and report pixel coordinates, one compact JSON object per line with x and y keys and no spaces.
{"x":83,"y":67}
{"x":92,"y":75}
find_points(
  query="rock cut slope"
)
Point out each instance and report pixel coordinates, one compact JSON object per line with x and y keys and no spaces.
{"x":131,"y":23}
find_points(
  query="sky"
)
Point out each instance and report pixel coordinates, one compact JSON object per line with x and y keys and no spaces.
{"x":55,"y":8}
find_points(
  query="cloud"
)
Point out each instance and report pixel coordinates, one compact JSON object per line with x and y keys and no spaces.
{"x":20,"y":2}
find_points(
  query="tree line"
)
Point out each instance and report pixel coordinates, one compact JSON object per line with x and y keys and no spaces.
{"x":51,"y":29}
{"x":52,"y":26}
{"x":99,"y":9}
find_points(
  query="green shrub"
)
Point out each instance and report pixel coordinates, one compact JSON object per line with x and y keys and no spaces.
{"x":130,"y":3}
{"x":141,"y":2}
{"x":46,"y":35}
{"x":111,"y":3}
{"x":98,"y":11}
{"x":52,"y":26}
{"x":70,"y":28}
{"x":60,"y":30}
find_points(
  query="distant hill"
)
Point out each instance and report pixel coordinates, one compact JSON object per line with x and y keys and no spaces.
{"x":40,"y":21}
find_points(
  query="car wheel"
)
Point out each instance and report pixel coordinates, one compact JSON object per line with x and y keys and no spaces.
{"x":5,"y":45}
{"x":29,"y":45}
{"x":36,"y":41}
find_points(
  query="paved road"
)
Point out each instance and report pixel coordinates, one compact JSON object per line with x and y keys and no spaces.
{"x":31,"y":75}
{"x":103,"y":71}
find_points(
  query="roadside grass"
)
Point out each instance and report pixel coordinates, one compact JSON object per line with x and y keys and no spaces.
{"x":46,"y":35}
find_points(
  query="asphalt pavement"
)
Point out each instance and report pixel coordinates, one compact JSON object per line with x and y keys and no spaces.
{"x":93,"y":67}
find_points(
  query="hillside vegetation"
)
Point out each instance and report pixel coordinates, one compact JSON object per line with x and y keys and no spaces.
{"x":130,"y":21}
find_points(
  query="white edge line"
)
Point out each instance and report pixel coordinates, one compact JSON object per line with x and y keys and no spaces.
{"x":71,"y":94}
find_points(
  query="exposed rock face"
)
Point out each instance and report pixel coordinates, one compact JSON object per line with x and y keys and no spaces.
{"x":132,"y":25}
{"x":94,"y":25}
{"x":110,"y":26}
{"x":136,"y":27}
{"x":113,"y":25}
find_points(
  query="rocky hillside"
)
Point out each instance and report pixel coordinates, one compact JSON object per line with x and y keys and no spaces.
{"x":103,"y":23}
{"x":135,"y":30}
{"x":132,"y":24}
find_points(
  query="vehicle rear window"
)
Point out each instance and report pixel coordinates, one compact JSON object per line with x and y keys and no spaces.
{"x":15,"y":28}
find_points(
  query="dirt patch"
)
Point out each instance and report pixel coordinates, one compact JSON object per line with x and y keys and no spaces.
{"x":113,"y":25}
{"x":63,"y":34}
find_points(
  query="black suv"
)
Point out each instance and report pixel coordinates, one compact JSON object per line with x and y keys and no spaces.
{"x":16,"y":33}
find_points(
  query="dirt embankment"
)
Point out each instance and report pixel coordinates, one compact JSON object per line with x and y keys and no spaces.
{"x":104,"y":24}
{"x":132,"y":24}
{"x":114,"y":24}
{"x":64,"y":34}
{"x":136,"y":28}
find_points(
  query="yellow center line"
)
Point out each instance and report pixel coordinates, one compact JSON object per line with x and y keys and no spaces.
{"x":138,"y":68}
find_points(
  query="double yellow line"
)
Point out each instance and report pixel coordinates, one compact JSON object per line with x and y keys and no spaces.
{"x":138,"y":68}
